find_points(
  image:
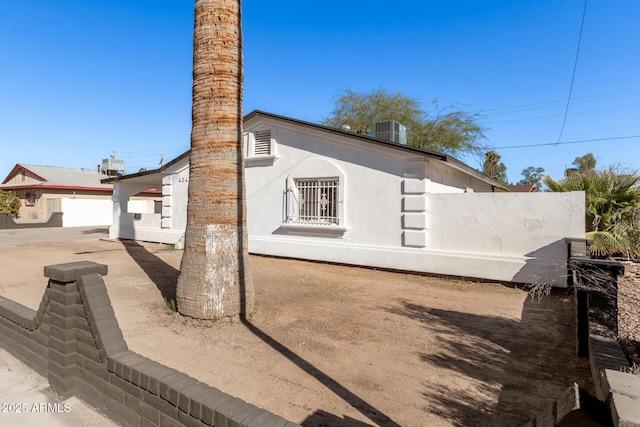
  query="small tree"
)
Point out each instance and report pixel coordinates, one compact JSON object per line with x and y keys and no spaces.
{"x":584,"y":163}
{"x":451,"y":131}
{"x":10,"y":203}
{"x":361,"y":110}
{"x":494,"y":168}
{"x":532,"y":176}
{"x":448,"y":130}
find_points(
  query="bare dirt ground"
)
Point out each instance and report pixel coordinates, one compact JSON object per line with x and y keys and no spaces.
{"x":340,"y":346}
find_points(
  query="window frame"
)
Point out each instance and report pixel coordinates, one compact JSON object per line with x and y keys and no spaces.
{"x":322,"y":209}
{"x":30,"y":198}
{"x":317,"y":169}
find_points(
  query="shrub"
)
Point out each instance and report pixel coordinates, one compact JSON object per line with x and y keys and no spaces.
{"x":10,"y":203}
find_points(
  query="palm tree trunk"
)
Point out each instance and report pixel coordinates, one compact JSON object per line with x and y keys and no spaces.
{"x":215,"y":278}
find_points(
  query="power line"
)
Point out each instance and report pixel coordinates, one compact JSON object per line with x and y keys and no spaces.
{"x":556,"y":104}
{"x":571,"y":114}
{"x":573,"y":76}
{"x":559,"y":102}
{"x":568,"y":142}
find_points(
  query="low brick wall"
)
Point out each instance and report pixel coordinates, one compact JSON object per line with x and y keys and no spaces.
{"x":8,"y":223}
{"x":74,"y":340}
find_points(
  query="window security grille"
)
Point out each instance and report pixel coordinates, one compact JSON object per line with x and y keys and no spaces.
{"x":313,"y":201}
{"x":262,"y":145}
{"x":30,"y":199}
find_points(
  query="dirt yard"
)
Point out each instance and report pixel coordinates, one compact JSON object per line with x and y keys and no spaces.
{"x":340,"y":346}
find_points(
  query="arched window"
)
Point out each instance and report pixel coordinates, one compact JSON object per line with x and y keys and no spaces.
{"x":315,"y":198}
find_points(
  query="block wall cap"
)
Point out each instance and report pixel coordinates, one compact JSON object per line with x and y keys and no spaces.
{"x":72,"y":271}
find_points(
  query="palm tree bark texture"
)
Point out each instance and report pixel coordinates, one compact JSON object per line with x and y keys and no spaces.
{"x":215,"y":278}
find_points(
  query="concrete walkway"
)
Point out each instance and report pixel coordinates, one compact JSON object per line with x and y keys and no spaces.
{"x":50,"y":236}
{"x":26,"y":400}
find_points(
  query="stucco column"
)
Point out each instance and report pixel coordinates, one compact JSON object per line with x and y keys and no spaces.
{"x":119,"y":207}
{"x":122,"y":226}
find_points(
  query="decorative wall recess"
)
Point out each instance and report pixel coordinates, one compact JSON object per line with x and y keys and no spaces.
{"x":414,"y":238}
{"x":414,"y":186}
{"x":414,"y":221}
{"x":414,"y":208}
{"x":414,"y":204}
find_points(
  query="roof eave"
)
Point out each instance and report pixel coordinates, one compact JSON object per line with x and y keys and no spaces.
{"x":148,"y":172}
{"x":54,"y":187}
{"x":17,"y":167}
{"x":463,"y":167}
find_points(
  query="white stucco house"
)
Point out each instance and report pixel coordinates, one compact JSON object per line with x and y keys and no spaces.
{"x":320,"y":193}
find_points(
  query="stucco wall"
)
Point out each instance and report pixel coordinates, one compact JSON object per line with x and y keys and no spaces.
{"x":86,"y":212}
{"x":145,"y":206}
{"x":520,"y":235}
{"x":516,"y":237}
{"x":175,"y":187}
{"x":371,"y":184}
{"x":446,"y":179}
{"x":405,"y":212}
{"x":397,"y":209}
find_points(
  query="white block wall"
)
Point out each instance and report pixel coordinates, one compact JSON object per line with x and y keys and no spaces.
{"x":86,"y":212}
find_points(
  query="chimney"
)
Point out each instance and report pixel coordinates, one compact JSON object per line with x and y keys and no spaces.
{"x":98,"y":168}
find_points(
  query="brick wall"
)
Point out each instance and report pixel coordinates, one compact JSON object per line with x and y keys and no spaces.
{"x":6,"y":222}
{"x":74,"y":340}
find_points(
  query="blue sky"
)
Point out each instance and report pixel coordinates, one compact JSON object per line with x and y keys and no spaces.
{"x":81,"y":79}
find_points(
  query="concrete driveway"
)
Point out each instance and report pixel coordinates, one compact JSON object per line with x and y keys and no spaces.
{"x":50,"y":236}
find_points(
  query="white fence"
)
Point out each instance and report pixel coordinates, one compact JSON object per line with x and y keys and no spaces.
{"x":506,"y":236}
{"x":146,"y":206}
{"x":511,"y":237}
{"x":86,"y":212}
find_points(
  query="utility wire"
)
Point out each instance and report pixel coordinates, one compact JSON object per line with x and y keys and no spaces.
{"x":573,"y":76}
{"x":569,"y":142}
{"x":559,"y":102}
{"x":551,"y":106}
{"x":571,"y":114}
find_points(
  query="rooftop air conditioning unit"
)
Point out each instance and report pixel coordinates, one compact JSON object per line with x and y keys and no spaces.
{"x":112,"y":166}
{"x":390,"y":130}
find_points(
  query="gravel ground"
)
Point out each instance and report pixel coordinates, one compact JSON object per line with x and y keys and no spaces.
{"x":629,"y":311}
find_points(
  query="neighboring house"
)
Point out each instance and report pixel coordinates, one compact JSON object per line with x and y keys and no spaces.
{"x":320,"y":193}
{"x":522,"y":188}
{"x":78,"y":193}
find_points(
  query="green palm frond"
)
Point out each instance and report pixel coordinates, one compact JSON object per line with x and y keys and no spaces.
{"x":612,"y":199}
{"x":607,"y":244}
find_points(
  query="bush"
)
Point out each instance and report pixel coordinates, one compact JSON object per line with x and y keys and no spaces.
{"x":10,"y":203}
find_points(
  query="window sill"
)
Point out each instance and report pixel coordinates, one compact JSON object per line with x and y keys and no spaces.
{"x":315,"y":230}
{"x":260,"y":160}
